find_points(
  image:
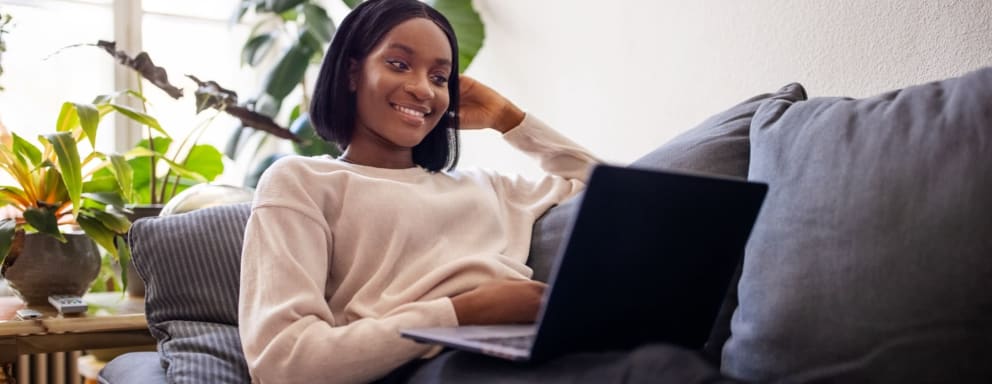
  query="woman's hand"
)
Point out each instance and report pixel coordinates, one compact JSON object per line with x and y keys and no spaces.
{"x":482,"y":107}
{"x":500,"y":302}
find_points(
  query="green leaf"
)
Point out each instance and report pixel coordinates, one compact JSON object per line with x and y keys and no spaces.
{"x":68,"y":118}
{"x":311,"y":144}
{"x":14,"y":196}
{"x":92,"y":199}
{"x":255,"y":49}
{"x":162,"y":144}
{"x":124,"y":257}
{"x":8,"y":227}
{"x":140,"y":117}
{"x":468,"y":28}
{"x":68,"y":163}
{"x":206,"y":160}
{"x":101,"y":181}
{"x":288,"y":73}
{"x":352,"y":3}
{"x":97,"y":231}
{"x":177,"y":168}
{"x":318,"y":22}
{"x":141,"y":168}
{"x":112,"y":221}
{"x":295,"y":112}
{"x":314,"y":45}
{"x":280,"y":6}
{"x":124,"y":174}
{"x":26,"y":150}
{"x":89,"y":118}
{"x":43,"y":219}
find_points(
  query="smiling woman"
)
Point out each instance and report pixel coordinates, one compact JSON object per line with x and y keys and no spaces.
{"x":390,"y":236}
{"x":405,"y":60}
{"x":401,"y":91}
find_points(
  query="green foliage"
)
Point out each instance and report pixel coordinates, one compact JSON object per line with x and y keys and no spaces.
{"x":468,"y":28}
{"x":54,"y":185}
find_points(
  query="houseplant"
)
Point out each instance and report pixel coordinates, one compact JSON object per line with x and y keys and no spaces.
{"x":47,"y":244}
{"x":161,"y":167}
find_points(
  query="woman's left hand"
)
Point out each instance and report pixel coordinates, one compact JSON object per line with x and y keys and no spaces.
{"x":482,"y":107}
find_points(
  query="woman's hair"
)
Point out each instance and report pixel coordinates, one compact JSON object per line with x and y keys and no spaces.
{"x":333,"y":108}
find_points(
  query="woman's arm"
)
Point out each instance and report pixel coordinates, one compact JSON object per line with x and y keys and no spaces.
{"x":482,"y":107}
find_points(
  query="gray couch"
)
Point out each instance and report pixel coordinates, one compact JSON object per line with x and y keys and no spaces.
{"x":868,"y":263}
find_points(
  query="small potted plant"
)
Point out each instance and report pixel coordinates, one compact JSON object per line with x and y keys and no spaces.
{"x":56,"y":215}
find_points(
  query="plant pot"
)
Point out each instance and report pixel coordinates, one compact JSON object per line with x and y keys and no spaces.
{"x":136,"y":286}
{"x":47,"y":267}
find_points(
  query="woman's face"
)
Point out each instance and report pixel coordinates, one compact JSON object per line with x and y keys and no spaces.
{"x":401,"y":87}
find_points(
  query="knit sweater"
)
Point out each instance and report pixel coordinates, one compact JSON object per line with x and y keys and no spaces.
{"x":339,"y":257}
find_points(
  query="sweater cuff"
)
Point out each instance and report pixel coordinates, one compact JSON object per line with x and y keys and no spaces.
{"x":446,"y":313}
{"x":528,"y":124}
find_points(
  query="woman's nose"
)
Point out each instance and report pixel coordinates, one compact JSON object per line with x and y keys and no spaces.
{"x":420,"y":89}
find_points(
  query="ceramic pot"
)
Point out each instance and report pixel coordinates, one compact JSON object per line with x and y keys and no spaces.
{"x":47,"y":267}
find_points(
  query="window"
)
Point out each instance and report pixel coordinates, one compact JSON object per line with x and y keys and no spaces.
{"x":37,"y":79}
{"x":182,"y":36}
{"x":194,"y":37}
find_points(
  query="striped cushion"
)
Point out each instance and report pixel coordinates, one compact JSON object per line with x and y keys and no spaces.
{"x":190,"y":264}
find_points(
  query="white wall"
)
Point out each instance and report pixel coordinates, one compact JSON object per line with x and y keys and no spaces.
{"x":623,"y":76}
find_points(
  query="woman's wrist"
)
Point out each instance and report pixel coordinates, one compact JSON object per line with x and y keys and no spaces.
{"x":510,"y":117}
{"x":464,"y":309}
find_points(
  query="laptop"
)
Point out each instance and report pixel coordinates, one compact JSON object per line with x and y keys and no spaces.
{"x":648,"y":258}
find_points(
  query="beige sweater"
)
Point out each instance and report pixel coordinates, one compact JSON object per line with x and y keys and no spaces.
{"x":339,"y":257}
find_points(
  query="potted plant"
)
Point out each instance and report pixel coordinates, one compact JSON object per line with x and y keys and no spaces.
{"x":48,"y":242}
{"x":161,"y":166}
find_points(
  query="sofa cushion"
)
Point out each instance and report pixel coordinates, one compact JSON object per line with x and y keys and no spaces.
{"x":870,"y":261}
{"x":134,"y":367}
{"x":191,"y":264}
{"x":719,"y":145}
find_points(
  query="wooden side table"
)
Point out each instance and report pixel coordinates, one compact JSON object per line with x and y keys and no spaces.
{"x":113,"y":320}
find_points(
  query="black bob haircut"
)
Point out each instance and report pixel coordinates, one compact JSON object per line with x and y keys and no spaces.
{"x":333,"y":108}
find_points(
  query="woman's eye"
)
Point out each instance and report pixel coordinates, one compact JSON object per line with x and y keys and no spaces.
{"x":439,"y":80}
{"x":398,"y":64}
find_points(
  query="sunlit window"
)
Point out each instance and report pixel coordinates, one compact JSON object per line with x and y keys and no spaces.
{"x":182,"y":36}
{"x":38,"y":77}
{"x":194,"y":37}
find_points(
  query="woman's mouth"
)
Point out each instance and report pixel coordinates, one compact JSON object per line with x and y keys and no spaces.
{"x":412,"y":115}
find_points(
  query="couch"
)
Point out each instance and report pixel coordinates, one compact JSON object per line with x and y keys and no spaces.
{"x":869,"y":261}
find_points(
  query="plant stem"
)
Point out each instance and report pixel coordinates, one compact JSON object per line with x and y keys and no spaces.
{"x":182,"y":147}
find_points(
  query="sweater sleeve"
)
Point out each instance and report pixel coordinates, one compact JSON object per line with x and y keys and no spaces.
{"x":288,"y":332}
{"x":568,"y":165}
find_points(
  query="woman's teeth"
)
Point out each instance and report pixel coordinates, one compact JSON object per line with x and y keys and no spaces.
{"x":409,"y":111}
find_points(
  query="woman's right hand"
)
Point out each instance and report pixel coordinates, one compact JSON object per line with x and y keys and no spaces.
{"x":500,"y":302}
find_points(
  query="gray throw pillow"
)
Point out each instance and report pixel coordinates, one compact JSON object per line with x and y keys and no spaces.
{"x":191,"y":264}
{"x":719,"y":145}
{"x":872,"y":257}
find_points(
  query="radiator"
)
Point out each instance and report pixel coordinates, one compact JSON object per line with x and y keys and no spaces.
{"x":48,"y":368}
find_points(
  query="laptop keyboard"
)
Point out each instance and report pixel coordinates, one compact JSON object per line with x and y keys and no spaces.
{"x":519,"y":342}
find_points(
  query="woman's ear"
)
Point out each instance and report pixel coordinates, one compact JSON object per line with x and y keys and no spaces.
{"x":353,"y":72}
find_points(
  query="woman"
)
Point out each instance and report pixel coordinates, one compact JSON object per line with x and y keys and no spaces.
{"x":340,"y":254}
